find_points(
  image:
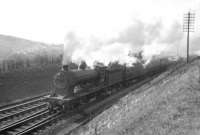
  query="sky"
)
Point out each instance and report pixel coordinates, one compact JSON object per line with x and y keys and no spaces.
{"x":50,"y":20}
{"x":99,"y":24}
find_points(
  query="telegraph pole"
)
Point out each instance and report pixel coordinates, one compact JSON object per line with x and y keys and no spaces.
{"x":188,"y":26}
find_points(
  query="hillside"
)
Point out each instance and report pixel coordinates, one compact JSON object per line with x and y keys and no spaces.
{"x":10,"y":45}
{"x":168,"y":105}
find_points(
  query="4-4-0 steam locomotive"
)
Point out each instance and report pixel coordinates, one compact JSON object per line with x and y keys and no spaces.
{"x":74,"y":87}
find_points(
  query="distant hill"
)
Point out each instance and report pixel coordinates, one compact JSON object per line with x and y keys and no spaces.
{"x":10,"y":46}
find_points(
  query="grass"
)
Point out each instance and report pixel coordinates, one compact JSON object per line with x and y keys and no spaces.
{"x":171,"y":107}
{"x":22,"y":84}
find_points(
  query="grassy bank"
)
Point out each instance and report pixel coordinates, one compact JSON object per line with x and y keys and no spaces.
{"x":26,"y":83}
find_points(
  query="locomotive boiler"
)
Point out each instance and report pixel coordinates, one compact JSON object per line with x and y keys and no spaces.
{"x":73,"y":87}
{"x":67,"y":81}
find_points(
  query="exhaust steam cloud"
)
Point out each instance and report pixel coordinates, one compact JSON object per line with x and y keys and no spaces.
{"x":152,"y":39}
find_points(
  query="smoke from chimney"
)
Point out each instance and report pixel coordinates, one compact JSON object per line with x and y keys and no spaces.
{"x":71,"y":43}
{"x":151,"y":38}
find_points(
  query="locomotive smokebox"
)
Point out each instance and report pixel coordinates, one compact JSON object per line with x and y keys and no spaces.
{"x":65,"y":67}
{"x":66,"y":80}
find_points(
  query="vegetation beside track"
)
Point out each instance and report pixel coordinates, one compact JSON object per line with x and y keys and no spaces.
{"x":28,"y":83}
{"x":168,"y":107}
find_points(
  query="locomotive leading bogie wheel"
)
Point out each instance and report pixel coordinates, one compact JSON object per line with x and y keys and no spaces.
{"x":63,"y":107}
{"x":50,"y":107}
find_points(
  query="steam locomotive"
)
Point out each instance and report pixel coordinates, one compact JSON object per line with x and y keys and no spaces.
{"x":74,"y":87}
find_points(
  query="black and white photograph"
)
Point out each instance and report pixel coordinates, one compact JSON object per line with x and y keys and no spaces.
{"x":99,"y":67}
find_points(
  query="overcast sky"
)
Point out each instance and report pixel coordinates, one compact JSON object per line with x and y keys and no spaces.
{"x":50,"y":20}
{"x":103,"y":30}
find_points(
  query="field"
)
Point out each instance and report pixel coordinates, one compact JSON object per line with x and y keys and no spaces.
{"x":29,"y":82}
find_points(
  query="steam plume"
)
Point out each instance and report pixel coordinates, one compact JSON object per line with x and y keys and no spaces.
{"x":70,"y":45}
{"x":152,"y":39}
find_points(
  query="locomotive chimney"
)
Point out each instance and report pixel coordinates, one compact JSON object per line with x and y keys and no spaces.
{"x":65,"y":67}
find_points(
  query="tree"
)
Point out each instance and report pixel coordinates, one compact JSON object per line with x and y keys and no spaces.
{"x":73,"y":65}
{"x":139,"y":56}
{"x":114,"y":64}
{"x":83,"y":65}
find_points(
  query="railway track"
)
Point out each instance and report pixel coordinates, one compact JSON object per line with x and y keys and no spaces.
{"x":30,"y":123}
{"x":13,"y":115}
